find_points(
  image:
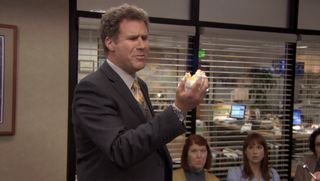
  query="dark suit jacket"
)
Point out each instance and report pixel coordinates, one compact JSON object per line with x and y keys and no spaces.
{"x":114,"y":140}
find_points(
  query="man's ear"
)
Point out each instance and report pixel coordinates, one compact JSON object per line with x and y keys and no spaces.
{"x":109,"y":43}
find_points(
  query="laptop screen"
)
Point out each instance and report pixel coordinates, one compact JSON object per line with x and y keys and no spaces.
{"x":238,"y":111}
{"x":296,"y":117}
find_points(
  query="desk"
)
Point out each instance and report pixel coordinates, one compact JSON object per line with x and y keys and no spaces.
{"x":232,"y":126}
{"x":300,"y":135}
{"x":237,"y":127}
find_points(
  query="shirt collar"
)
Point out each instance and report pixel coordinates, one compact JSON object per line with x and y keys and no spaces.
{"x":127,"y":78}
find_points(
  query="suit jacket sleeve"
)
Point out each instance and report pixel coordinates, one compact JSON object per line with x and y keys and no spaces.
{"x":107,"y":123}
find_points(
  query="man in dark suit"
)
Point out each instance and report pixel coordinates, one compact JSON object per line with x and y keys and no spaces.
{"x":118,"y":137}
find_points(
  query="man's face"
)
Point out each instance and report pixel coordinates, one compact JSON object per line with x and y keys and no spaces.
{"x":129,"y":51}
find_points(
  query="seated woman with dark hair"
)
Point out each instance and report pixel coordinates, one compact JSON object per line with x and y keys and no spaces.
{"x":195,"y":161}
{"x":310,"y":160}
{"x":255,"y":162}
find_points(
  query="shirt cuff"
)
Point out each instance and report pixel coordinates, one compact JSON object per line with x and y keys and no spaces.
{"x":178,"y":112}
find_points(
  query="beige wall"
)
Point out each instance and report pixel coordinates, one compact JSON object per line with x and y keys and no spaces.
{"x":39,"y":148}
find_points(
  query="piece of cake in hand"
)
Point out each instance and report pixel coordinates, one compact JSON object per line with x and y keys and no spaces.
{"x":190,"y":80}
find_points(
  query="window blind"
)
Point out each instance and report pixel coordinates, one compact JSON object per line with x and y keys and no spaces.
{"x":254,"y":71}
{"x":89,"y":51}
{"x":307,"y":94}
{"x":169,"y":59}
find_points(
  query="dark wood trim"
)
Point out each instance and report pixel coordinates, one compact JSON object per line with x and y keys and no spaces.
{"x":291,"y":53}
{"x":308,"y":32}
{"x":171,"y":21}
{"x":87,"y":14}
{"x":245,"y":27}
{"x":194,"y":11}
{"x":293,"y":11}
{"x":73,"y":77}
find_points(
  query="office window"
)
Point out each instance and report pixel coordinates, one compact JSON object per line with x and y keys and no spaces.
{"x":90,"y":52}
{"x":169,"y":59}
{"x":307,"y":95}
{"x":248,"y":72}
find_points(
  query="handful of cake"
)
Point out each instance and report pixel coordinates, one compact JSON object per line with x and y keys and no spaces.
{"x":190,"y":80}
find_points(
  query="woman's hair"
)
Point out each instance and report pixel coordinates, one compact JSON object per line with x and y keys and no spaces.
{"x":264,"y":166}
{"x":312,"y":140}
{"x":199,"y":140}
{"x":110,"y":21}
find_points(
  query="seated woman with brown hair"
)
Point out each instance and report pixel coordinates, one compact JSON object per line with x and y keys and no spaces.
{"x":195,"y":161}
{"x":255,"y":162}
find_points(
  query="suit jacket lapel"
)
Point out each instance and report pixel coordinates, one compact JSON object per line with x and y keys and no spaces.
{"x":123,"y":90}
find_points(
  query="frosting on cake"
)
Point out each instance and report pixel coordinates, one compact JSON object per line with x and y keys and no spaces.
{"x":190,"y":80}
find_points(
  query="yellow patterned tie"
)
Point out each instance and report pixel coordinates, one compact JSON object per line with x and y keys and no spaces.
{"x":138,"y":94}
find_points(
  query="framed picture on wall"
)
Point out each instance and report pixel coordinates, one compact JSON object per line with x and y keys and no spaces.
{"x":8,"y":56}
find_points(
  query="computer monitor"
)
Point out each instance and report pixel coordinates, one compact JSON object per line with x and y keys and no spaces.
{"x":238,"y":111}
{"x":299,"y":68}
{"x":296,"y":117}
